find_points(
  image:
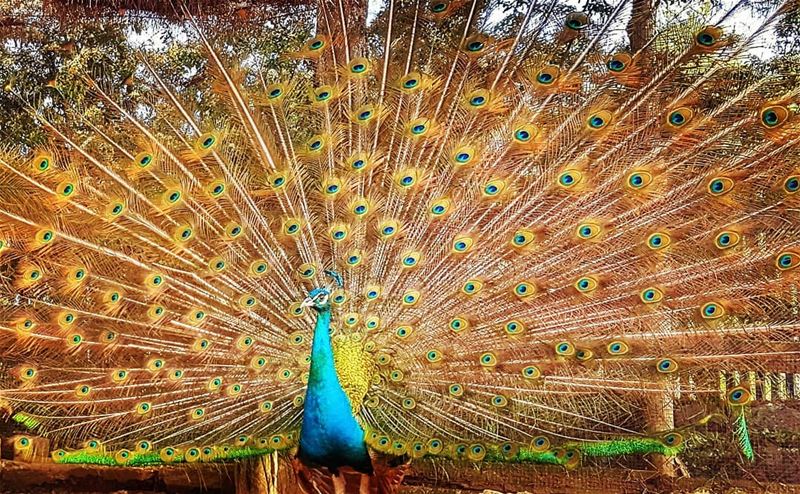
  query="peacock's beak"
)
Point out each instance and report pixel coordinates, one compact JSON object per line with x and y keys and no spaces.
{"x":308,"y":302}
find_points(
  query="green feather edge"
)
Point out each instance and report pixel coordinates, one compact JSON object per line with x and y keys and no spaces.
{"x":147,"y":459}
{"x":743,"y":436}
{"x":26,"y":420}
{"x":619,"y":447}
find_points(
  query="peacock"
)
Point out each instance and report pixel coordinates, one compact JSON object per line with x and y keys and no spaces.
{"x":445,"y":237}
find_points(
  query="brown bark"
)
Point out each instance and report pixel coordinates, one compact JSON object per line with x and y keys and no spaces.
{"x":642,"y":23}
{"x":660,"y":415}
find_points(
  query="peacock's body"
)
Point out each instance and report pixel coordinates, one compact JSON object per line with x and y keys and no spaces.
{"x":331,"y":436}
{"x":510,"y":247}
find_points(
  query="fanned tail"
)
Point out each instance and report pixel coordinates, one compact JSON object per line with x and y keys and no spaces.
{"x":530,"y":238}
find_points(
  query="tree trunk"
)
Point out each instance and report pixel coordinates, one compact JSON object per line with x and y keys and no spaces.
{"x":659,"y":410}
{"x":642,"y":24}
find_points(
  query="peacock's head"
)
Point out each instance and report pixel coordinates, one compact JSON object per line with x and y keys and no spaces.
{"x":318,"y":299}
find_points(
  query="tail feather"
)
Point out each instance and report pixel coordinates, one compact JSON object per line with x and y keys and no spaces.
{"x":743,"y":436}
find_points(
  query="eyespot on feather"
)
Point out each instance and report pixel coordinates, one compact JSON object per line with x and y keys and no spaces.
{"x":719,"y":186}
{"x":787,"y":260}
{"x":727,"y":239}
{"x":565,"y":349}
{"x":577,"y":21}
{"x":619,"y":63}
{"x":672,"y":439}
{"x":708,"y":38}
{"x":773,"y":116}
{"x":540,"y":444}
{"x":739,"y":395}
{"x":679,"y":118}
{"x":359,"y":68}
{"x":475,"y":45}
{"x":712,"y":310}
{"x":617,"y":348}
{"x":666,"y":365}
{"x":598,"y":120}
{"x":547,"y":77}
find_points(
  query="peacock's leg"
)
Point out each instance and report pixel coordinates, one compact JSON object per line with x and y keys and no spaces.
{"x":339,"y":483}
{"x":364,"y":486}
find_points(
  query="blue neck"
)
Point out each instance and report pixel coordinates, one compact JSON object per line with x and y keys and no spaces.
{"x":323,"y":369}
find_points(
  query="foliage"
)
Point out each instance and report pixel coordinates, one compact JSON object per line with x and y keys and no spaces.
{"x":42,"y":62}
